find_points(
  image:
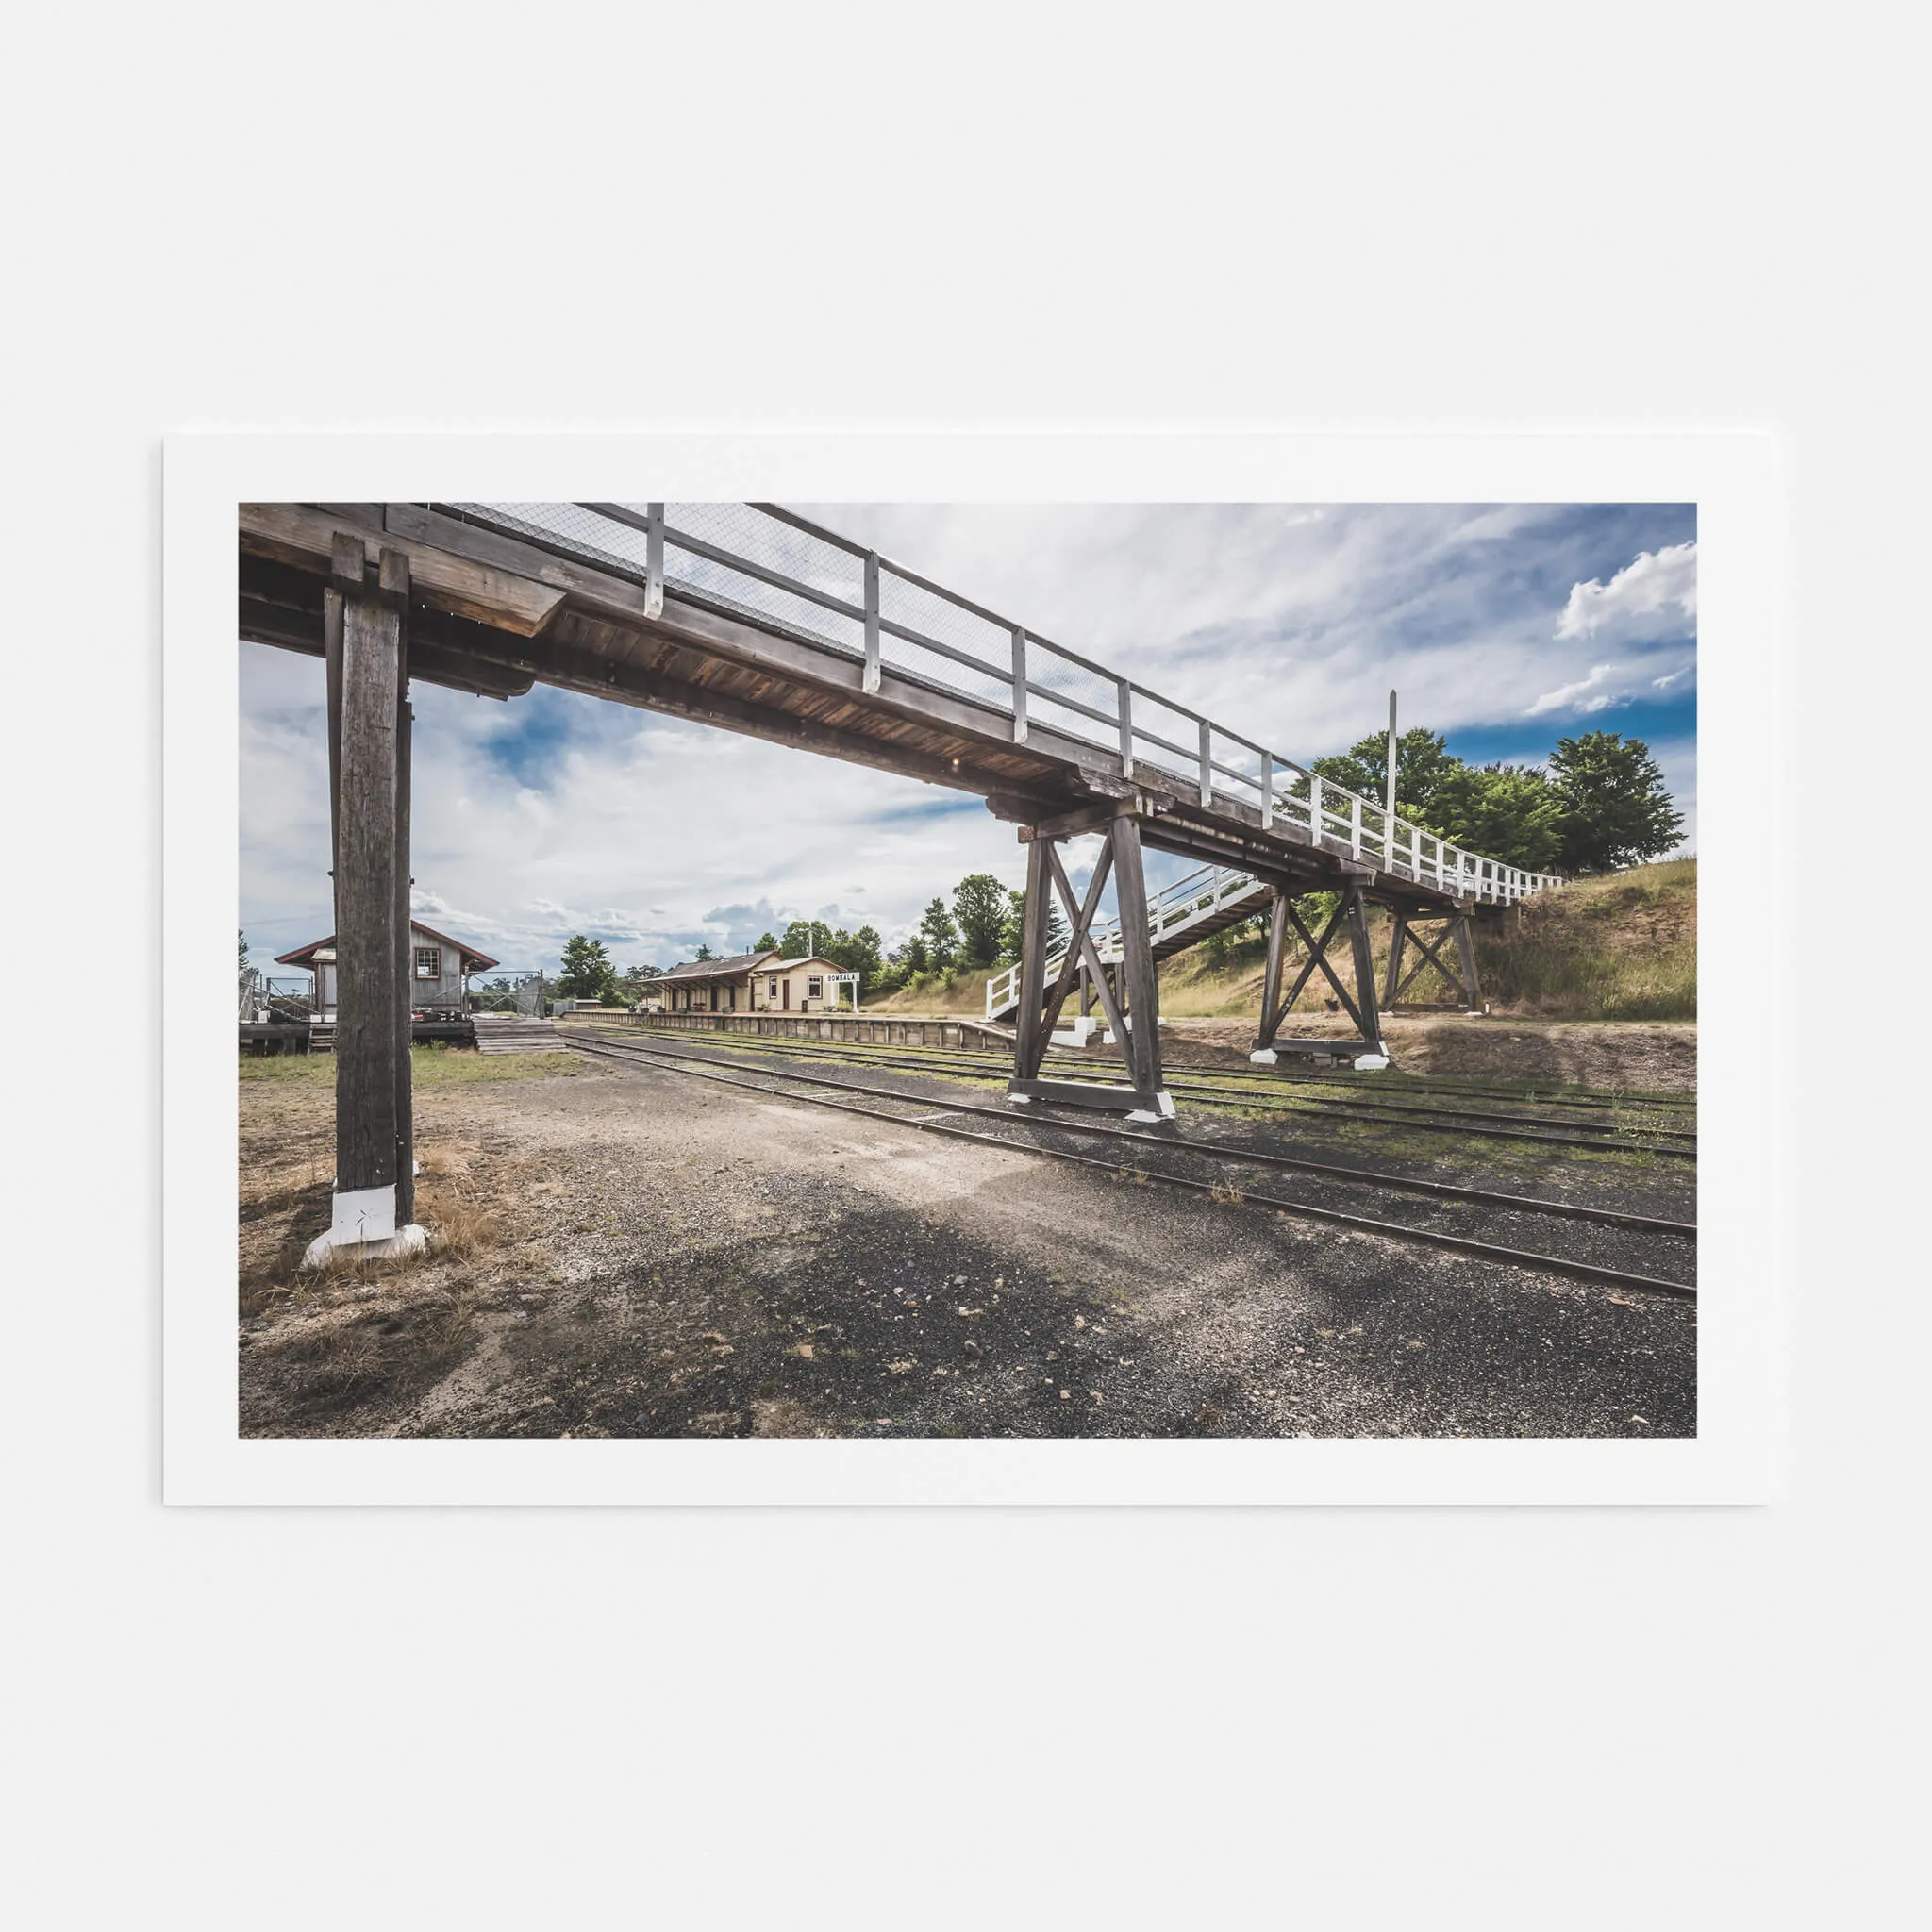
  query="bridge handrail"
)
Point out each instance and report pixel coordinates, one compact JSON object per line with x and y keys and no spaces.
{"x":1334,"y":818}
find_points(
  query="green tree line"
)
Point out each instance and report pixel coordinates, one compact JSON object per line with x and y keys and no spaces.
{"x":1599,"y":805}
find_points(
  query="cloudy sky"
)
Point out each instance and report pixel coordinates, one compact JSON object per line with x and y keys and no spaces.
{"x":1504,"y":626}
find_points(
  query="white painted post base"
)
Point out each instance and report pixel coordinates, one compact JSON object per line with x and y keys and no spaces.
{"x":325,"y":1248}
{"x":1019,"y":1100}
{"x":1372,"y":1062}
{"x":1163,"y":1110}
{"x":1080,"y":1032}
{"x":364,"y":1228}
{"x":1264,"y":1057}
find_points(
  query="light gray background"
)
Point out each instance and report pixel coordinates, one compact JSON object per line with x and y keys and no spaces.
{"x":1661,"y":216}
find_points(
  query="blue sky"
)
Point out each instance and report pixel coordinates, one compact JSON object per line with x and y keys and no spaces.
{"x":1507,"y":627}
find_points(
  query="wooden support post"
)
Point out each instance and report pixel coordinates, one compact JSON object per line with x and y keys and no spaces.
{"x":1263,"y":1049}
{"x":406,"y":961}
{"x":1465,"y":947}
{"x":1366,"y":1015}
{"x":1138,"y":969}
{"x":1029,"y":1043}
{"x":372,"y":1197}
{"x":1398,"y":939}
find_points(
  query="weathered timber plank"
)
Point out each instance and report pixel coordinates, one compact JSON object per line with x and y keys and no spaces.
{"x":294,"y":533}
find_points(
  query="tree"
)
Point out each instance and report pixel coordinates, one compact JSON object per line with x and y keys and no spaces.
{"x":1510,"y":813}
{"x":979,"y":906}
{"x":634,"y":981}
{"x":914,"y":957}
{"x":1614,"y":808}
{"x":804,"y":939}
{"x":1013,"y":929}
{"x":940,"y":935}
{"x":1423,"y":761}
{"x":588,"y":972}
{"x":863,"y":955}
{"x":768,"y":942}
{"x":704,"y":951}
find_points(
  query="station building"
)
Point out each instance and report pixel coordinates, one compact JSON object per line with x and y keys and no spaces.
{"x":440,"y":970}
{"x":754,"y":983}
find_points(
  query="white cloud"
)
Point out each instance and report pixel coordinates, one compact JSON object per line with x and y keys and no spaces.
{"x":1572,"y":696}
{"x":1654,"y":596}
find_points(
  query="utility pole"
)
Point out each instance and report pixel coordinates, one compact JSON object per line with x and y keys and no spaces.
{"x":1389,"y":829}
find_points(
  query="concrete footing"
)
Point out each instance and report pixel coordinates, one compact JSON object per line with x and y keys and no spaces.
{"x":1264,"y":1057}
{"x":326,"y":1247}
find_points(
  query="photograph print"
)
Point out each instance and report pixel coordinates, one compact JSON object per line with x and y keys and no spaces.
{"x":916,"y":971}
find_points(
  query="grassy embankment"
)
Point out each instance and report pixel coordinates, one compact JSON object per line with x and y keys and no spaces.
{"x":432,"y":1066}
{"x":1621,"y":947}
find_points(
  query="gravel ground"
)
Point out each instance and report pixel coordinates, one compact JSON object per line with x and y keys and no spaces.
{"x":660,"y":1256}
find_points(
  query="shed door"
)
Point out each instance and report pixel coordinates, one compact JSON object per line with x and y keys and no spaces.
{"x":786,"y":985}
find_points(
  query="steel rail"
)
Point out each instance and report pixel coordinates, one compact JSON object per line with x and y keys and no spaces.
{"x":1603,"y":1098}
{"x":1557,"y":1264}
{"x":1228,"y":1096}
{"x":1216,"y":1094}
{"x":1614,"y":1217}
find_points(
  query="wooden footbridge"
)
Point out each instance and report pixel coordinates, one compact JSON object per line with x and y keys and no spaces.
{"x":749,"y":618}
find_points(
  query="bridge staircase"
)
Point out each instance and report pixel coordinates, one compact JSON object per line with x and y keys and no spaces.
{"x":1206,"y":900}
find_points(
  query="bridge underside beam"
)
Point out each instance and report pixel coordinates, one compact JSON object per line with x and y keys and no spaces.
{"x":1349,"y":919}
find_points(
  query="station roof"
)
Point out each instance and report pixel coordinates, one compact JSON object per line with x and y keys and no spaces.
{"x":734,"y":967}
{"x":474,"y":960}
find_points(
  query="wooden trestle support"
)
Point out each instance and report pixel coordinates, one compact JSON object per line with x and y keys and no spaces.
{"x":366,"y":652}
{"x":1461,"y":976}
{"x":1352,"y":913}
{"x":1130,"y":995}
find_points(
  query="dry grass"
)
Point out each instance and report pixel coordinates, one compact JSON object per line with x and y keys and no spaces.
{"x":1621,"y":947}
{"x":357,"y":1329}
{"x":1227,"y":1194}
{"x":432,"y":1067}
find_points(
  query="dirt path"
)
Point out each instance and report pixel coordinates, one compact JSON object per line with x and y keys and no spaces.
{"x":667,"y":1257}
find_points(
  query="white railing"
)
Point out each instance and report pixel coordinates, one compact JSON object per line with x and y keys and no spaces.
{"x":1174,"y":910}
{"x":760,"y":560}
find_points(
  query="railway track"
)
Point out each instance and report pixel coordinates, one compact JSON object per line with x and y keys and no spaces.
{"x":1416,"y":1085}
{"x":1262,"y":1092}
{"x":1029,"y":1136}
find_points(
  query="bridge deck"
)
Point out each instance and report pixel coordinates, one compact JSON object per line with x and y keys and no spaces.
{"x":743,"y":617}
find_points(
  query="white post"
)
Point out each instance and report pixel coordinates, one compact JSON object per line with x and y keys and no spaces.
{"x":1019,"y":686}
{"x":653,"y":560}
{"x":1267,"y":789}
{"x":870,"y":680}
{"x":1355,"y":826}
{"x":1126,"y":705}
{"x":1315,"y":807}
{"x":1388,"y":799}
{"x":1206,"y":763}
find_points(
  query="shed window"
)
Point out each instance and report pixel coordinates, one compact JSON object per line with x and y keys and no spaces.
{"x":428,"y":962}
{"x":814,"y":989}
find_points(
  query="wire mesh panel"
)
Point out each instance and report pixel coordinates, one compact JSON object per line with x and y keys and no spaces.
{"x":1064,"y":697}
{"x":1165,"y":737}
{"x":987,"y":647}
{"x":739,"y":530}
